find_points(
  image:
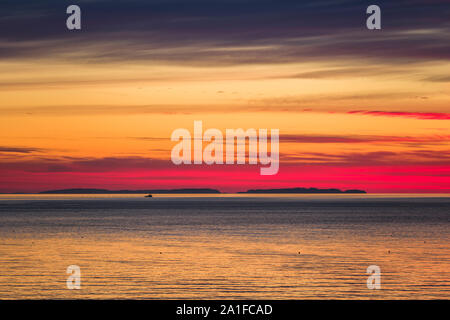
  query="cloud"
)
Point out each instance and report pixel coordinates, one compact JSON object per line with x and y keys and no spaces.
{"x":416,"y":115}
{"x":363,"y":139}
{"x":72,"y":164}
{"x":368,"y":159}
{"x":224,"y":32}
{"x":115,"y":165}
{"x":441,"y":78}
{"x":345,"y":72}
{"x":292,"y":103}
{"x":19,"y":150}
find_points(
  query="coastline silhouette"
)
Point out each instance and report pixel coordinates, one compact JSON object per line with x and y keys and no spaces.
{"x":203,"y":191}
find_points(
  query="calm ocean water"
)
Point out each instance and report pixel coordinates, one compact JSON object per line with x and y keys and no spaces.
{"x":231,"y":247}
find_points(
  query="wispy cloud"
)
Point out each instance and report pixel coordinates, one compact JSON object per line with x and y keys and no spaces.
{"x":203,"y":32}
{"x":416,"y":115}
{"x":298,"y":138}
{"x":19,"y":150}
{"x":367,"y":159}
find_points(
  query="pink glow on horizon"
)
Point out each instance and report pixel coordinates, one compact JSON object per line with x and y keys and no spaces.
{"x":373,"y":179}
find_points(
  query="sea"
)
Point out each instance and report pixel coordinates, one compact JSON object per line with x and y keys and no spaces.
{"x":225,"y":246}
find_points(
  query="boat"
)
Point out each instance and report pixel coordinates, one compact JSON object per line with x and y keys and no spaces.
{"x":149,"y":196}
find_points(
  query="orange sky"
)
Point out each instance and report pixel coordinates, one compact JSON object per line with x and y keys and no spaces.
{"x":67,"y":121}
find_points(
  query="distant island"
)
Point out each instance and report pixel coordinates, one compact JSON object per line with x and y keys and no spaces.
{"x":105,"y":191}
{"x":201,"y":191}
{"x":302,"y":190}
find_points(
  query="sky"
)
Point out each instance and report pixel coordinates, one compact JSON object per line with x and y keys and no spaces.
{"x":95,"y":108}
